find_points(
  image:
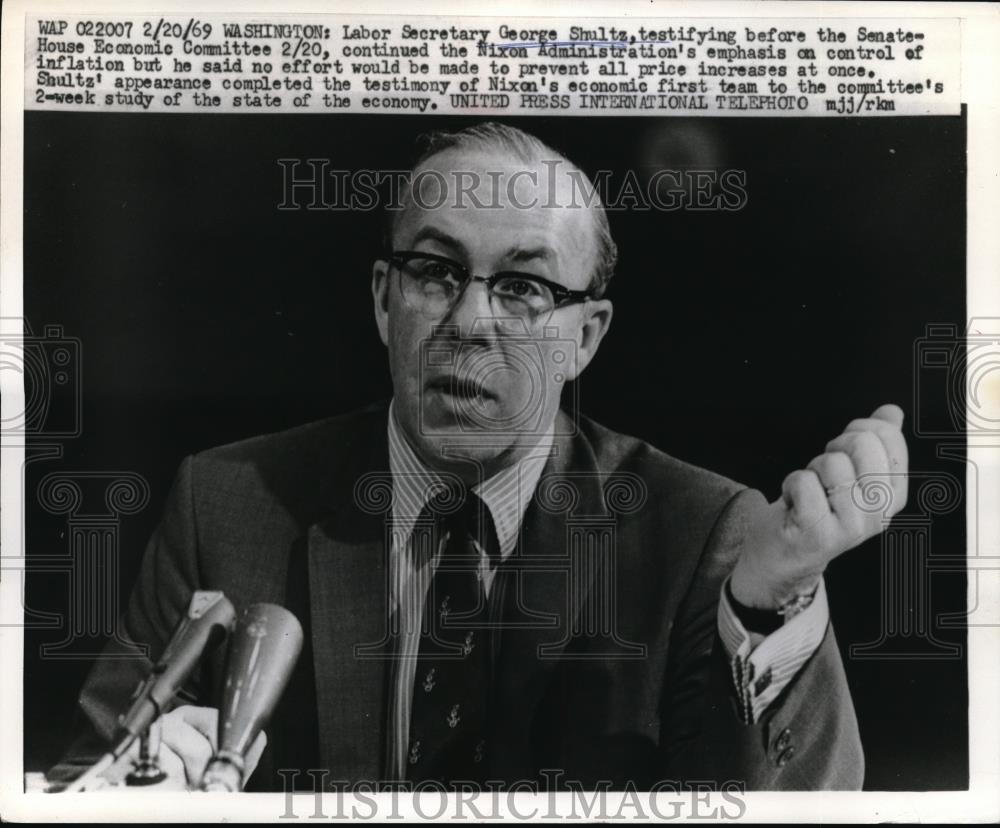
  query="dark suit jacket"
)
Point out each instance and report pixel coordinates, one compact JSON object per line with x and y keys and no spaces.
{"x":621,"y":678}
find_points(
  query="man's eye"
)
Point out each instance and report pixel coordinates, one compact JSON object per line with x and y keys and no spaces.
{"x":438,"y":271}
{"x":520,"y":287}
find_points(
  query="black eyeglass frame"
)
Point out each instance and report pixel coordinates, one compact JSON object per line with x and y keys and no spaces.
{"x":561,"y":295}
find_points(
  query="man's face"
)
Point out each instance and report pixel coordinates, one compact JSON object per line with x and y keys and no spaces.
{"x":476,"y":385}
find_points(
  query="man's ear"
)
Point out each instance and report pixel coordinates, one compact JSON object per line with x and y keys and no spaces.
{"x":594,"y":324}
{"x":380,"y":293}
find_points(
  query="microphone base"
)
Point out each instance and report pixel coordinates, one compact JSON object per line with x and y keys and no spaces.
{"x":145,"y":773}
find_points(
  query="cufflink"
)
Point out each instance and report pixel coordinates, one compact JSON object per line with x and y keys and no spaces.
{"x":766,"y":622}
{"x":797,"y":605}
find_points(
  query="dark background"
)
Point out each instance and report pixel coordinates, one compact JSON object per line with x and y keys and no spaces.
{"x":742,"y":341}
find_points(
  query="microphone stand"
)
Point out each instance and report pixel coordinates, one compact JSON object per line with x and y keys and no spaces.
{"x":209,"y":618}
{"x":147,"y":770}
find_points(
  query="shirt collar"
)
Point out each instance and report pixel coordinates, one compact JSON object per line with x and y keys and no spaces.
{"x":506,"y":494}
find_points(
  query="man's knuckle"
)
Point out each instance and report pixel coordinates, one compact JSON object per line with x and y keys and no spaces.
{"x":800,"y":478}
{"x":865,"y":445}
{"x":818,"y":462}
{"x":841,"y":461}
{"x":870,"y":438}
{"x":843,"y":442}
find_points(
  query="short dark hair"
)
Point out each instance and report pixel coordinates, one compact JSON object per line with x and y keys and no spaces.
{"x":519,"y":144}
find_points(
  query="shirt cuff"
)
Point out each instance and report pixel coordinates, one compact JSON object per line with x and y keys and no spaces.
{"x":761,"y":672}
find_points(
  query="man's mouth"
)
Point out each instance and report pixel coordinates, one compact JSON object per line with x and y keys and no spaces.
{"x":462,"y":389}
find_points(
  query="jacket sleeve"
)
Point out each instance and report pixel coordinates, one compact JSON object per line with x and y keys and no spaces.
{"x":167,"y":577}
{"x":807,"y":739}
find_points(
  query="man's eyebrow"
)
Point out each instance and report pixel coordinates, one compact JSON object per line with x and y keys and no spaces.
{"x":524,"y":254}
{"x":433,"y":234}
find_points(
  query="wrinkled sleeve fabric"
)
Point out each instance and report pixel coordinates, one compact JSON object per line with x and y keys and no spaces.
{"x":803,"y":736}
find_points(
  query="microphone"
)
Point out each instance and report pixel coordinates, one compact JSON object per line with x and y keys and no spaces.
{"x":210,"y":618}
{"x":263,"y":652}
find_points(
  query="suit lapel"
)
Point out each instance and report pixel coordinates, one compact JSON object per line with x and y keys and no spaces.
{"x":546,"y":582}
{"x":558,"y":541}
{"x":350,"y":689}
{"x":348,"y":597}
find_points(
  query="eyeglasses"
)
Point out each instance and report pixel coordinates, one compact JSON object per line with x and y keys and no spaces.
{"x":432,"y":285}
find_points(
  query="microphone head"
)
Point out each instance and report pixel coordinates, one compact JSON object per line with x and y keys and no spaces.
{"x":262,"y":654}
{"x":209,"y":619}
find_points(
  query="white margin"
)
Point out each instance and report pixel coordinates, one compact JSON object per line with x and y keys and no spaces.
{"x":980,"y":84}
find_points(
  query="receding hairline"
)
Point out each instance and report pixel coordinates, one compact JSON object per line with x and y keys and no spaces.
{"x":498,"y":160}
{"x":500,"y":163}
{"x":500,"y":144}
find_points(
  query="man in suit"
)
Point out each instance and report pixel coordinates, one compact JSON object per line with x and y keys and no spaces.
{"x":493,"y":589}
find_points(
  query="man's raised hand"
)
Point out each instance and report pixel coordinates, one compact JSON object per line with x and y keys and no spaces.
{"x":821,"y":514}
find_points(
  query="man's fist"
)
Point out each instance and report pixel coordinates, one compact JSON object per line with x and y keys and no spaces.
{"x":820,"y":513}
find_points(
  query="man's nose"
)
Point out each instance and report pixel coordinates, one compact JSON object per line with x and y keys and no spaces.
{"x":472,"y":314}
